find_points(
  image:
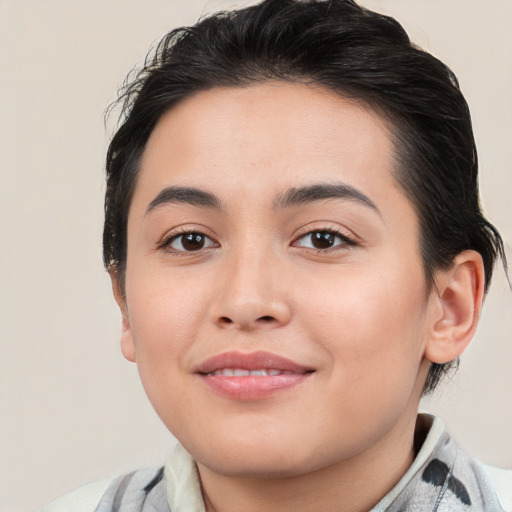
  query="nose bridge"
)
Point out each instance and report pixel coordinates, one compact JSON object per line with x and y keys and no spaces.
{"x":251,"y":294}
{"x":250,"y":271}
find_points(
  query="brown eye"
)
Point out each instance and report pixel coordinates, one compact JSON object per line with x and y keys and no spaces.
{"x":189,"y":242}
{"x":323,"y":240}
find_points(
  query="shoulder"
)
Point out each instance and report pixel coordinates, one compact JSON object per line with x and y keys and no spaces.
{"x":176,"y":485}
{"x":83,"y":499}
{"x":127,"y":492}
{"x":448,"y":478}
{"x":488,"y":484}
{"x":502,"y":482}
{"x":489,"y":487}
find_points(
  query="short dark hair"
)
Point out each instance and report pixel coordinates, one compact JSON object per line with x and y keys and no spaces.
{"x":349,"y":50}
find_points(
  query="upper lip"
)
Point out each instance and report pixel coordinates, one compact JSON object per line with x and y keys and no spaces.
{"x":250,"y":361}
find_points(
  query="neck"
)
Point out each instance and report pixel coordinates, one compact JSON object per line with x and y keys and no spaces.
{"x":353,"y":485}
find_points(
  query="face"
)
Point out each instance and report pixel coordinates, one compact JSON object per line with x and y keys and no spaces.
{"x":276,"y":304}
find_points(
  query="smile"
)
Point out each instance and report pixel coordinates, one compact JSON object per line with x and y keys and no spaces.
{"x":251,"y":376}
{"x":240,"y":372}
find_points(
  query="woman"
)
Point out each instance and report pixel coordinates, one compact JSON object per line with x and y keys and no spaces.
{"x":295,"y":243}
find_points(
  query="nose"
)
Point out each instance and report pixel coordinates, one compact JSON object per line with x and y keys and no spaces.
{"x":251,"y":294}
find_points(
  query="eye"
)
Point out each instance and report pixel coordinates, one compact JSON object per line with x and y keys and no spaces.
{"x":189,"y":242}
{"x":323,"y":240}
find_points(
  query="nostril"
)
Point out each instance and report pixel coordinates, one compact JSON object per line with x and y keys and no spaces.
{"x":247,"y":323}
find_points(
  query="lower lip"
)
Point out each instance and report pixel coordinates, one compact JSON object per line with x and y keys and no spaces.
{"x":253,"y":387}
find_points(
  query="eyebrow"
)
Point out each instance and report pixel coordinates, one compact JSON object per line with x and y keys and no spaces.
{"x":295,"y":196}
{"x":321,"y":191}
{"x":187,"y":195}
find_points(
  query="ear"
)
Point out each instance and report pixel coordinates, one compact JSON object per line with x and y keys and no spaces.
{"x":458,"y":294}
{"x":127,"y":345}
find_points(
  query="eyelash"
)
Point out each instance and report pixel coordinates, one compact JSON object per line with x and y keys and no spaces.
{"x":166,"y":243}
{"x":346,"y":241}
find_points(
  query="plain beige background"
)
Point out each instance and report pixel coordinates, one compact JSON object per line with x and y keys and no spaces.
{"x":71,"y":409}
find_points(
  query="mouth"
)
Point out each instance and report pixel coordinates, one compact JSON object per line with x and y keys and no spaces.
{"x":241,"y":372}
{"x":251,"y":376}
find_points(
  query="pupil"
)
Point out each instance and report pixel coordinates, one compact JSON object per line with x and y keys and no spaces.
{"x":323,"y":239}
{"x":193,"y":241}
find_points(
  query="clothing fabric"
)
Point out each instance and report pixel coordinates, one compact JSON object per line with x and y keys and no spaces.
{"x":442,"y":478}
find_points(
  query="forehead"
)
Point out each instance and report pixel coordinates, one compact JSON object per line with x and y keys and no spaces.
{"x":275,"y":131}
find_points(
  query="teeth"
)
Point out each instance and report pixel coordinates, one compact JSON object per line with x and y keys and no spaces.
{"x":259,"y":372}
{"x":239,"y":372}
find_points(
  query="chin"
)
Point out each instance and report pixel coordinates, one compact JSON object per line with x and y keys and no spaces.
{"x":261,"y":467}
{"x":260,"y":458}
{"x":247,"y":457}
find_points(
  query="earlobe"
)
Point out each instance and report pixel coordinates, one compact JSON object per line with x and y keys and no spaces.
{"x":127,"y":345}
{"x":459,"y":294}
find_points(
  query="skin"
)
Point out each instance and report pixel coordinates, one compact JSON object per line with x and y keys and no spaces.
{"x":358,"y":313}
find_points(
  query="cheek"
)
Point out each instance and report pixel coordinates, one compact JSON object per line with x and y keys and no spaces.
{"x":370,"y":322}
{"x":165,"y":320}
{"x":164,"y":316}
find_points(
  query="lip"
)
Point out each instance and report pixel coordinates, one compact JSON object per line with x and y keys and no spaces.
{"x":251,"y":387}
{"x":250,"y":361}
